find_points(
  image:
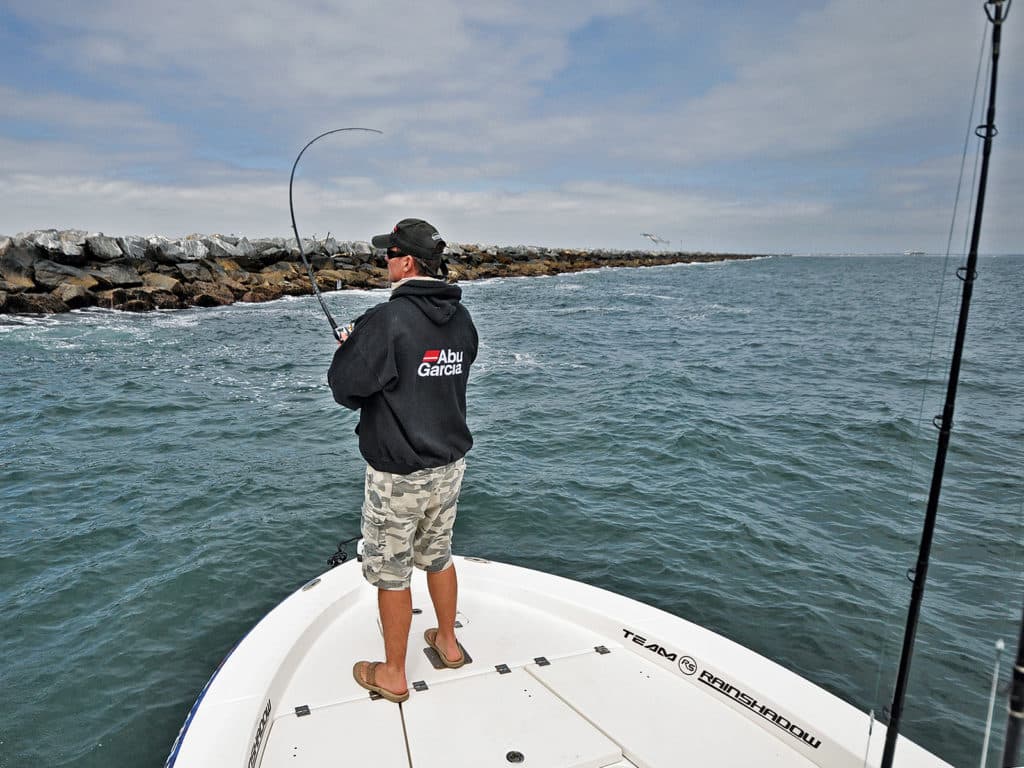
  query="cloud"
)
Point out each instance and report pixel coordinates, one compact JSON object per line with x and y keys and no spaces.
{"x":303,"y":52}
{"x":834,"y":78}
{"x":579,"y":214}
{"x":789,"y":130}
{"x":85,"y":119}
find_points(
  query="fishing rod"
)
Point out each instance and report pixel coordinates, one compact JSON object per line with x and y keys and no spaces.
{"x":944,"y":422}
{"x":298,"y":240}
{"x":1011,"y":745}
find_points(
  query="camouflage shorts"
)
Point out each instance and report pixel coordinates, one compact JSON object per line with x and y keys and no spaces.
{"x":407,"y":520}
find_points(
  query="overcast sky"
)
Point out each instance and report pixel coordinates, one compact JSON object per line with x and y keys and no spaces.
{"x":783,"y":126}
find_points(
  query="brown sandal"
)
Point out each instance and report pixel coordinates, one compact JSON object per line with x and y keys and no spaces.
{"x":370,"y":681}
{"x":431,"y":637}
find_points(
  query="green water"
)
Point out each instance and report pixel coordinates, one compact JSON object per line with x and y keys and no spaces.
{"x":747,"y":445}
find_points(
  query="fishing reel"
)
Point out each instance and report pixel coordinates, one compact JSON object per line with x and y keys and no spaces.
{"x":341,"y":555}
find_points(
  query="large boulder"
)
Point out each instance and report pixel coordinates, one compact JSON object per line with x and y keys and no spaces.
{"x":533,"y":268}
{"x":161,"y":282}
{"x":164,"y":251}
{"x":283,"y":267}
{"x":245,"y":248}
{"x":273,"y":277}
{"x":353,"y":278}
{"x":137,"y":299}
{"x":118,"y":275}
{"x":229,"y":270}
{"x":194,"y":249}
{"x":17,"y":266}
{"x":35,"y":304}
{"x":309,"y":247}
{"x":264,"y":244}
{"x":89,"y":282}
{"x":102,"y":248}
{"x":111,"y":297}
{"x":236,"y":288}
{"x":263,"y":252}
{"x":208,"y":294}
{"x":263,"y":293}
{"x":50,"y":274}
{"x":161,"y":299}
{"x":75,"y":296}
{"x":216,"y":270}
{"x":137,"y":305}
{"x":299,"y":286}
{"x":516,"y":253}
{"x":133,"y":247}
{"x":220,"y":248}
{"x":266,"y":259}
{"x":44,"y":238}
{"x":193,"y":272}
{"x":66,"y":247}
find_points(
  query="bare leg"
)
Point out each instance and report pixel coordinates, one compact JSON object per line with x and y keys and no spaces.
{"x":395,"y":606}
{"x":444,"y":593}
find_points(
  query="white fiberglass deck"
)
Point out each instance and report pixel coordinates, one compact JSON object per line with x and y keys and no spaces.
{"x":562,"y":676}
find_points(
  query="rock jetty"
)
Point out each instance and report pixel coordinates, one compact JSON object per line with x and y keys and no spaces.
{"x":50,"y":271}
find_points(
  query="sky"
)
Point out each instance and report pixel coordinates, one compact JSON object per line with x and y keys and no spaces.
{"x":835,"y":126}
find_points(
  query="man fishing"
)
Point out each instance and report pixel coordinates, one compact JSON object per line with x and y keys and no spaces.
{"x":404,"y":366}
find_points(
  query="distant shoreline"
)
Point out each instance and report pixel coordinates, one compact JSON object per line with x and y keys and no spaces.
{"x":54,"y":271}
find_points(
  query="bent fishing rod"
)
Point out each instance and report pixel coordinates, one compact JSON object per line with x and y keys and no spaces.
{"x":298,"y":239}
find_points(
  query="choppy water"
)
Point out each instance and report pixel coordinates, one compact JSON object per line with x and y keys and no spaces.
{"x":747,"y":445}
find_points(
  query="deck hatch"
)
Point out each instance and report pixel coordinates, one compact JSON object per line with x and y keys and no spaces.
{"x":497,"y":716}
{"x":312,"y":742}
{"x":658,"y":719}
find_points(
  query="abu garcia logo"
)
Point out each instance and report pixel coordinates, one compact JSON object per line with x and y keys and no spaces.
{"x":441,"y":362}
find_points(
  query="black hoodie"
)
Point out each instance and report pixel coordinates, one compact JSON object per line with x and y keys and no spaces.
{"x":405,"y":368}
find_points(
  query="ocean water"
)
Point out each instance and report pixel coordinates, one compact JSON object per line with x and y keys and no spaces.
{"x":747,"y":445}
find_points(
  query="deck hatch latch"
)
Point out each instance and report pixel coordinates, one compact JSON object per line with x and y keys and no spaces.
{"x":502,"y":669}
{"x":302,"y":711}
{"x":420,"y":685}
{"x":542,"y":661}
{"x":601,"y":649}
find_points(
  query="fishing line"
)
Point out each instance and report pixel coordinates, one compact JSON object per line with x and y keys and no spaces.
{"x":298,"y":239}
{"x":891,"y":627}
{"x":987,"y":131}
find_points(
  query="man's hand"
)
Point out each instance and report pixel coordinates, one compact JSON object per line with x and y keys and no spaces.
{"x":344,"y":332}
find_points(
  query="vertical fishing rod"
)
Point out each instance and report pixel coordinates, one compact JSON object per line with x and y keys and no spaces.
{"x":298,"y":240}
{"x":1016,"y":709}
{"x":944,"y":422}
